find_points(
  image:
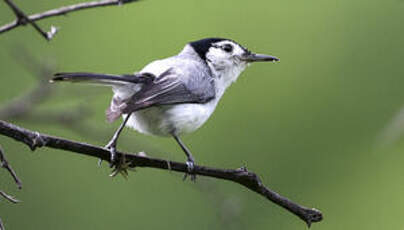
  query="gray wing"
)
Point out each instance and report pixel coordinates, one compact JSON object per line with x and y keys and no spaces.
{"x":174,"y":87}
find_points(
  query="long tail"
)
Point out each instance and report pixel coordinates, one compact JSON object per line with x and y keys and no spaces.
{"x":118,"y":83}
{"x":104,"y":79}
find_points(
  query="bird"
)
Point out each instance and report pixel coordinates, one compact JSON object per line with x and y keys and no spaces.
{"x":172,"y":96}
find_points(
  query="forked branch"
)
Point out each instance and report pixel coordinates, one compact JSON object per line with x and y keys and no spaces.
{"x":23,"y":19}
{"x":4,"y":164}
{"x":241,"y":176}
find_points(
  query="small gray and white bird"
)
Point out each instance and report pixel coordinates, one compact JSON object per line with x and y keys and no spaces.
{"x":175,"y":95}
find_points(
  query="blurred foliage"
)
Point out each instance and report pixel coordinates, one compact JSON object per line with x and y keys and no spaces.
{"x":309,"y":125}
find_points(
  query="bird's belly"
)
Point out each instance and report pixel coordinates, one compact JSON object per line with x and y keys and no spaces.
{"x":168,"y":119}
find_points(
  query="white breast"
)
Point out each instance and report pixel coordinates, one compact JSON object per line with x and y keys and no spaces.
{"x":168,"y":119}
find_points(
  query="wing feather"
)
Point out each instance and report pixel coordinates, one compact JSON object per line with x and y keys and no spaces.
{"x":172,"y":88}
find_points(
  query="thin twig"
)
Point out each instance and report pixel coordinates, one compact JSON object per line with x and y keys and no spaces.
{"x":23,"y":19}
{"x":4,"y":164}
{"x":1,"y":225}
{"x":241,"y":176}
{"x":9,"y":197}
{"x":54,"y":12}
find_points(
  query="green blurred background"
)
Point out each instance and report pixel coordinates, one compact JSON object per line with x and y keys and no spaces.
{"x":313,"y":126}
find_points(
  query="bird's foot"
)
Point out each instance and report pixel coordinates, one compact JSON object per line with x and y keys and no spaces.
{"x":121,"y":167}
{"x":119,"y":164}
{"x":190,"y":168}
{"x":111,"y":147}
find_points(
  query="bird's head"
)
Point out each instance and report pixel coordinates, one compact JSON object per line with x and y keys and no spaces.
{"x":226,"y":55}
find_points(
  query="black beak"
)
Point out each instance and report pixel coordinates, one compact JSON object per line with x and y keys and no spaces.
{"x":253,"y":57}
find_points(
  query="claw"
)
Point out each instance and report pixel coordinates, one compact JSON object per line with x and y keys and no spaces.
{"x":121,"y":167}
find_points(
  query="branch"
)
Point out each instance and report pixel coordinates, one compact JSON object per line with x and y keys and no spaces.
{"x":4,"y":164}
{"x":241,"y":176}
{"x":23,"y":19}
{"x":9,"y":197}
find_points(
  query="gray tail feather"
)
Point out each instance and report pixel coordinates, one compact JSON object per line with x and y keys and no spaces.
{"x":106,"y":79}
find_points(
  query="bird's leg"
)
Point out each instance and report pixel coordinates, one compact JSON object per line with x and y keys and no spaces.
{"x":190,"y":159}
{"x":111,"y":146}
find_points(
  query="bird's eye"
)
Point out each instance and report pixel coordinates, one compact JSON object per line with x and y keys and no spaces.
{"x":228,"y":48}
